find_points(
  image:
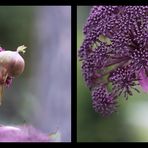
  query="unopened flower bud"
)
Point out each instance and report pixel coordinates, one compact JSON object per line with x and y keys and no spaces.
{"x":12,"y":62}
{"x":11,"y":65}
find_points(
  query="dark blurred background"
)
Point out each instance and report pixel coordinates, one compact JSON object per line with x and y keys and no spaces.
{"x":41,"y":96}
{"x":129,"y":124}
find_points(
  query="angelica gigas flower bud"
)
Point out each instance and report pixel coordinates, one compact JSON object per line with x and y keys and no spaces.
{"x":11,"y":65}
{"x":12,"y":62}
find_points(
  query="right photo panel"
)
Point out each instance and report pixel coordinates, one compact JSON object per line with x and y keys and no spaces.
{"x":112,"y":73}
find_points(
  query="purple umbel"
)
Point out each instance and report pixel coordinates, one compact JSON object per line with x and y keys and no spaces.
{"x":114,"y":53}
{"x":103,"y":101}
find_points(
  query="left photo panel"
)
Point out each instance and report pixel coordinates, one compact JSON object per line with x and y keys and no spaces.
{"x":35,"y":74}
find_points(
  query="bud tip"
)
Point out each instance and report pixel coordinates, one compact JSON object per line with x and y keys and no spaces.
{"x":21,"y":49}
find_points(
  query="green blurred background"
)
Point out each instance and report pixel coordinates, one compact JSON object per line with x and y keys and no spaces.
{"x":41,"y":96}
{"x":129,"y":124}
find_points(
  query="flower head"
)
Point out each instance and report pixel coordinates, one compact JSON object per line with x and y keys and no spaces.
{"x":123,"y":80}
{"x":115,"y":49}
{"x":103,"y":101}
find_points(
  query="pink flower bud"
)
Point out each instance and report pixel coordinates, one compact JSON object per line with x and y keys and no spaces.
{"x":12,"y":62}
{"x":11,"y":65}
